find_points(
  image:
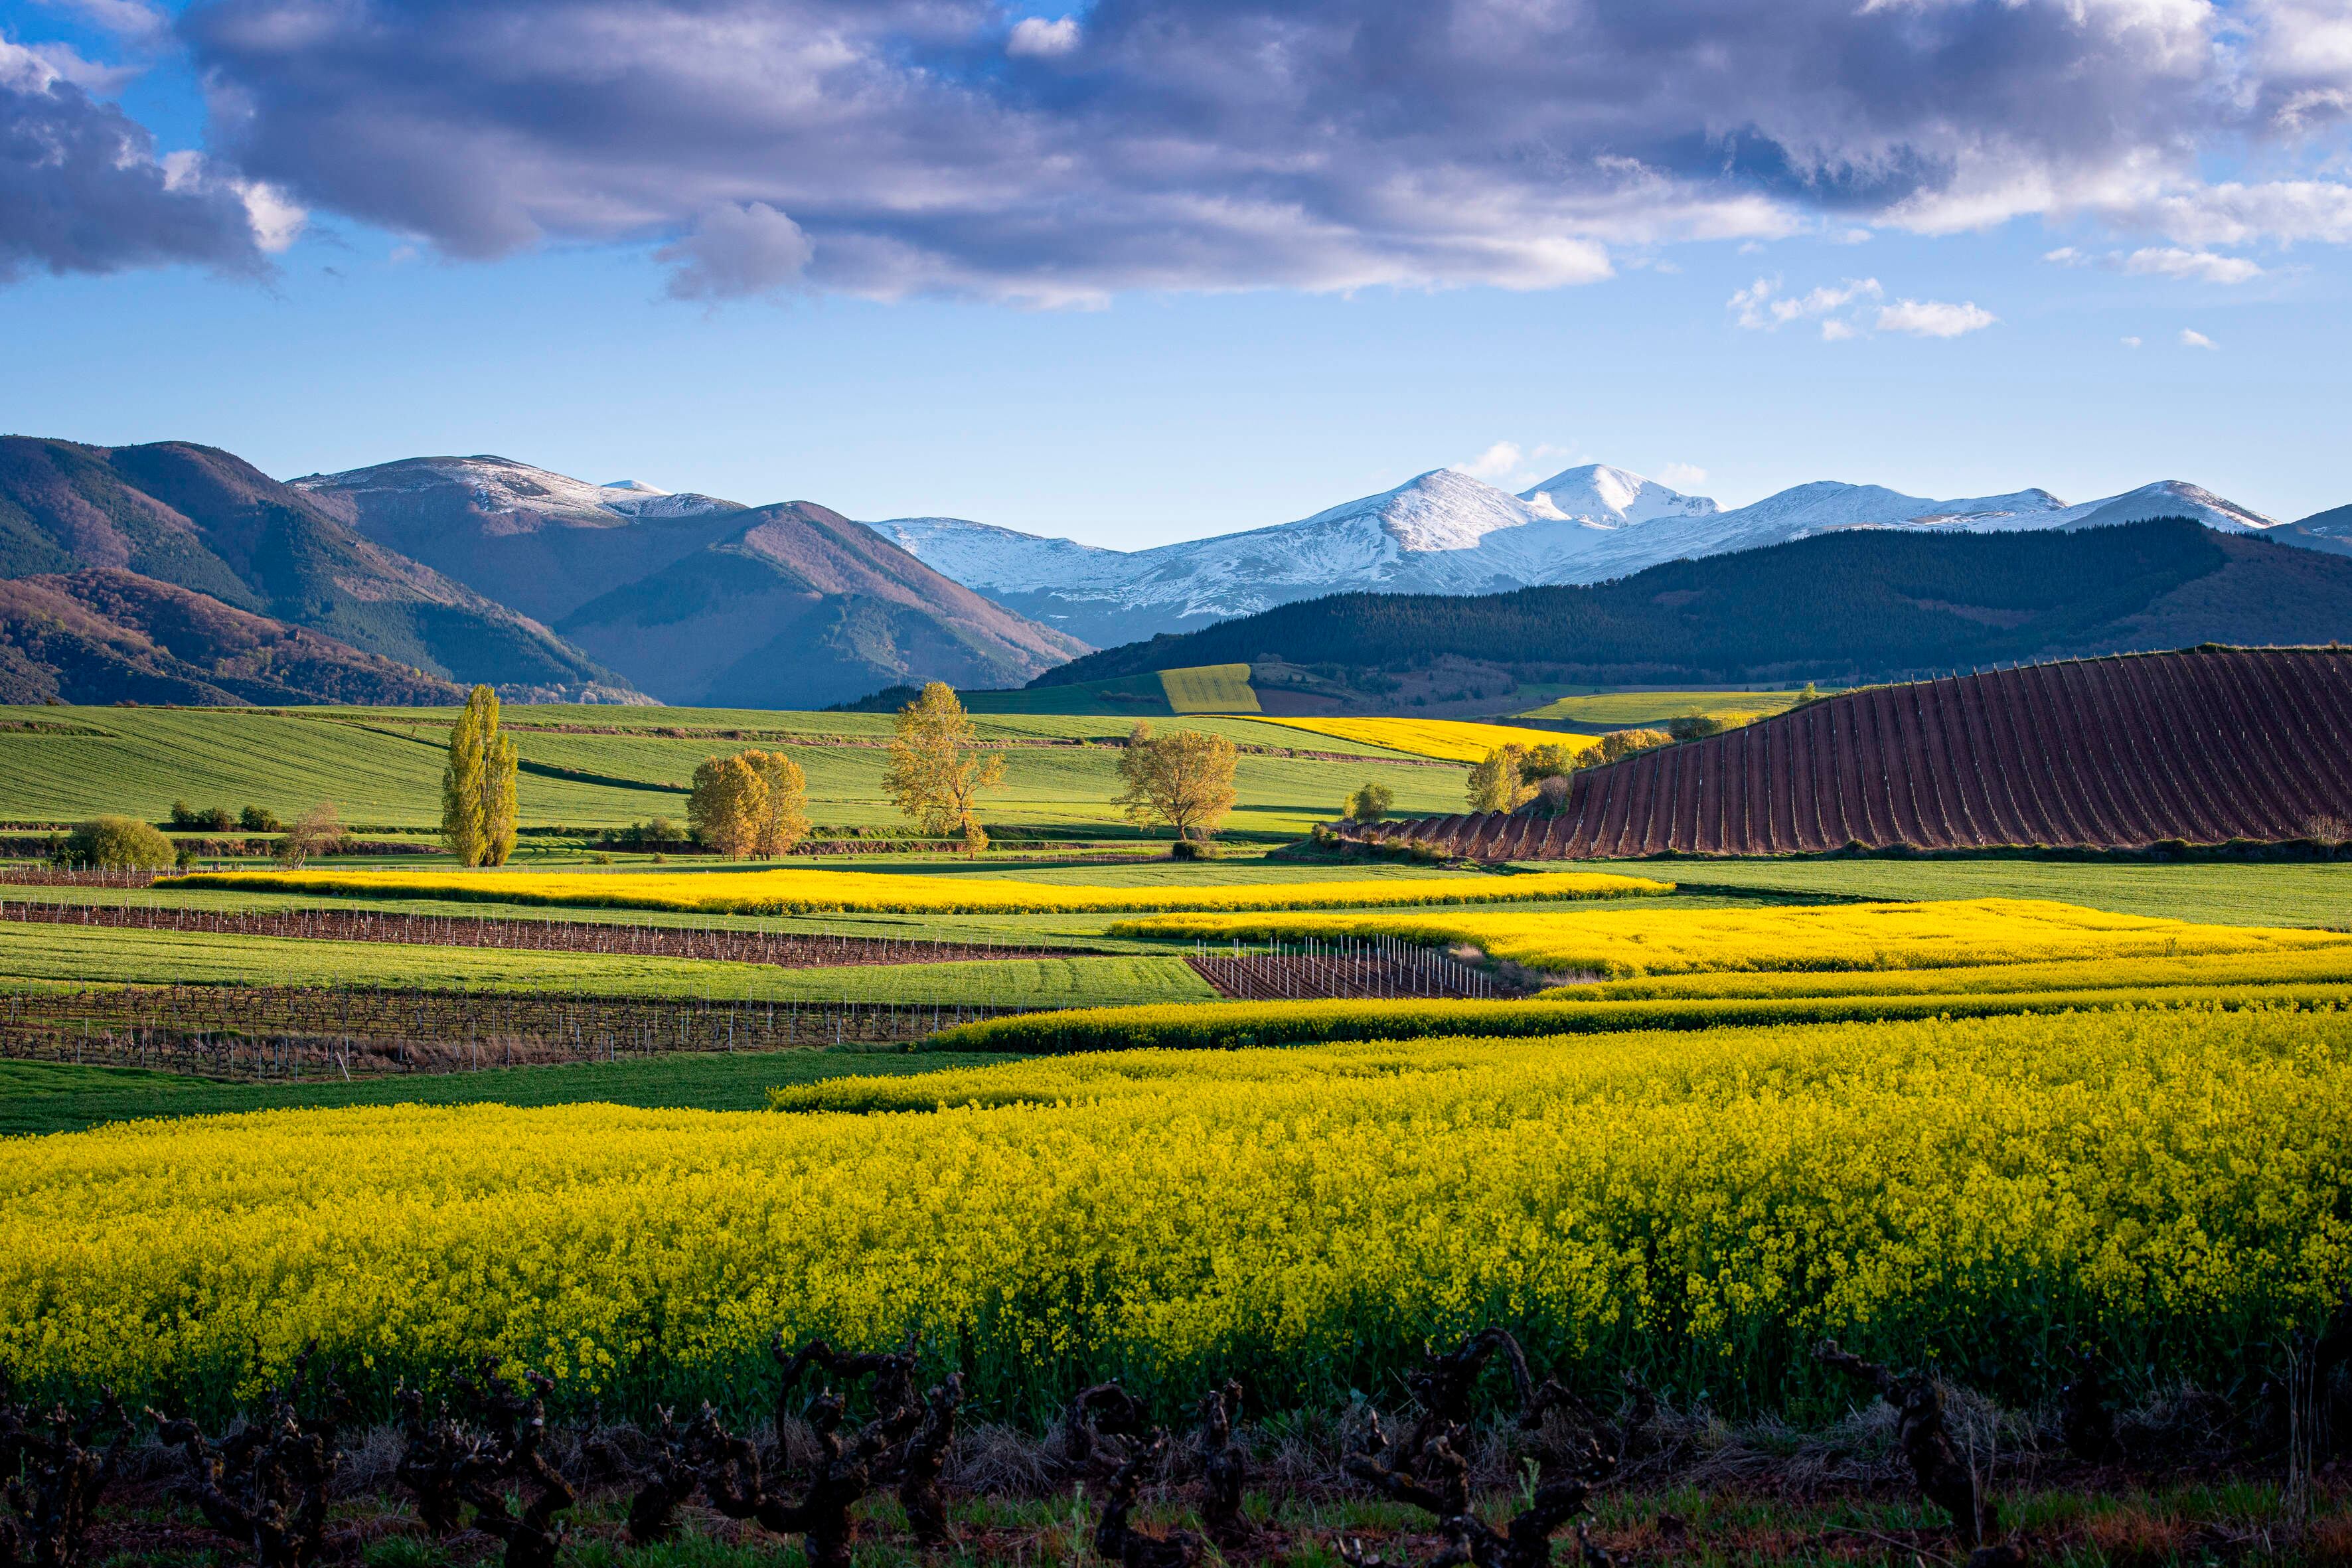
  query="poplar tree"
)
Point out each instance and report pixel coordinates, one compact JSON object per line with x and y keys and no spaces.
{"x":477,"y":787}
{"x":934,"y":775}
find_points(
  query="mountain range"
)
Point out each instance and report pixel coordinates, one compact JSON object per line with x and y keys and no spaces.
{"x":1447,"y":532}
{"x":1845,"y":606}
{"x":173,"y":572}
{"x":700,"y":601}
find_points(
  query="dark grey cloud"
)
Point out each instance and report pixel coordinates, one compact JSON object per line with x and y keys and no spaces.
{"x":890,"y":146}
{"x":82,"y":190}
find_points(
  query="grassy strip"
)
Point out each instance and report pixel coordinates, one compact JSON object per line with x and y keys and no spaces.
{"x":1226,"y":1025}
{"x":98,"y":954}
{"x":56,"y":1097}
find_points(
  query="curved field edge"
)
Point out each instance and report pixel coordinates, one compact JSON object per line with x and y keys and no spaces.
{"x":2173,"y":1188}
{"x":827,"y":892}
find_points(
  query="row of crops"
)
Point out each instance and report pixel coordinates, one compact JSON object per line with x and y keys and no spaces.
{"x":2205,"y":746}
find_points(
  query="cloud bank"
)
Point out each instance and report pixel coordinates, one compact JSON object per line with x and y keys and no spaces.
{"x":888,"y":147}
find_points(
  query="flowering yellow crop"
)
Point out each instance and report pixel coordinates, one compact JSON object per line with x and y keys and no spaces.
{"x":1455,"y":739}
{"x":1621,"y":942}
{"x":796,"y":892}
{"x":1703,"y":1201}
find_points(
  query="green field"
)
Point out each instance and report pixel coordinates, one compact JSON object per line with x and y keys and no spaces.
{"x":49,"y":954}
{"x":50,"y":1096}
{"x":381,"y":767}
{"x":1635,"y":710}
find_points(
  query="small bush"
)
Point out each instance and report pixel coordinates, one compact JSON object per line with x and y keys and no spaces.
{"x":119,"y":843}
{"x":255,"y":819}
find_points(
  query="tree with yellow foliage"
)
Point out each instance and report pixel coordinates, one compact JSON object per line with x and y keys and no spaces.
{"x":728,"y":802}
{"x":1184,"y":779}
{"x":935,"y":775}
{"x":783,"y":822}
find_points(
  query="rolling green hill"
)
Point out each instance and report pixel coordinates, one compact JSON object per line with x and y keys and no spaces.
{"x":594,"y":767}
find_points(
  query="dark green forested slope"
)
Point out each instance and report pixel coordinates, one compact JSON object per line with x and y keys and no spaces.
{"x":1858,"y":605}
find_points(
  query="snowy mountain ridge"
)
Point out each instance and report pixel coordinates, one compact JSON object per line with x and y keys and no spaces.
{"x":1446,"y":533}
{"x":526,"y":495}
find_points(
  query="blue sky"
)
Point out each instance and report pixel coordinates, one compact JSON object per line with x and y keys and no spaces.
{"x":1111,"y":353}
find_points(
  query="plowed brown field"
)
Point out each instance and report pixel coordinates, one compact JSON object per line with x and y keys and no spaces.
{"x":2205,"y":745}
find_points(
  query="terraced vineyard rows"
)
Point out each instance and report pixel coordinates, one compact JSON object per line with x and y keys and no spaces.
{"x":2201,"y":746}
{"x":294,"y":1032}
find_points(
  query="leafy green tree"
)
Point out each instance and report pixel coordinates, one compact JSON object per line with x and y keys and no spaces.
{"x":935,"y":775}
{"x":477,"y":787}
{"x":1184,"y":779}
{"x":1496,"y":784}
{"x":119,"y":843}
{"x":1369,"y":803}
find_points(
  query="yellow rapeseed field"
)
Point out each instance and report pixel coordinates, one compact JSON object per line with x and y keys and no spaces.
{"x":1454,"y":740}
{"x":795,"y":891}
{"x":1934,"y":935}
{"x":1698,"y":1205}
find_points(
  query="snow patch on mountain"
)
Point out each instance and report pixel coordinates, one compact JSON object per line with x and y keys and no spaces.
{"x":501,"y":486}
{"x":1447,"y":532}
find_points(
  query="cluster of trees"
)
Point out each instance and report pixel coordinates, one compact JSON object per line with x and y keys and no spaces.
{"x":1512,"y":775}
{"x":126,"y":844}
{"x":753,"y":804}
{"x":187,"y":819}
{"x":1182,"y":781}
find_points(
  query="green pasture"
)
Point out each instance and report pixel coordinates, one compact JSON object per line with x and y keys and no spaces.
{"x":59,"y":1097}
{"x":1635,"y":710}
{"x":383,"y":767}
{"x":49,"y":954}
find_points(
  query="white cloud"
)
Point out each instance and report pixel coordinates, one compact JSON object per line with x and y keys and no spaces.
{"x":2065,"y":256}
{"x":1038,"y":38}
{"x":1836,"y":331}
{"x":133,"y":19}
{"x":1682,"y":476}
{"x":1496,"y":463}
{"x":1934,"y":318}
{"x":2198,"y":266}
{"x":737,"y":250}
{"x":1761,"y":307}
{"x":2131,"y":343}
{"x":2192,"y":340}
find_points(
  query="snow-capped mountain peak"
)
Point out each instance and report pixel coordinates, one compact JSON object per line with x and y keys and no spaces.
{"x":1445,"y":509}
{"x":1613,"y":497}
